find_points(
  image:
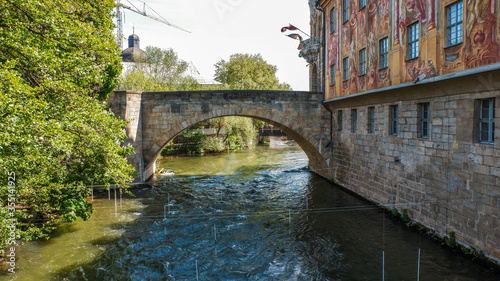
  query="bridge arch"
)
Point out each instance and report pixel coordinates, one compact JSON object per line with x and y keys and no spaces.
{"x":158,"y":117}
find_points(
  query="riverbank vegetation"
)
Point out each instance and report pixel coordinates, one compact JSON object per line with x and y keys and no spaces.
{"x":59,"y":61}
{"x":227,"y":134}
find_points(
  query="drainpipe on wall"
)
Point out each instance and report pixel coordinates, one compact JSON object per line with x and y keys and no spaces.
{"x":323,"y":44}
{"x":323,"y":84}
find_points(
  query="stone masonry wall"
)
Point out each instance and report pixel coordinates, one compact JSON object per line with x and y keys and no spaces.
{"x":449,"y":182}
{"x":157,"y":117}
{"x":127,"y":105}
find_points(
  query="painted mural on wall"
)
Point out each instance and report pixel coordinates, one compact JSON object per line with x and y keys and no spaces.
{"x":372,"y":46}
{"x":409,"y":12}
{"x":361,"y":23}
{"x":345,"y":39}
{"x":419,"y":69}
{"x":353,"y":47}
{"x":453,"y":59}
{"x":383,"y":17}
{"x":333,"y":57}
{"x":353,"y":69}
{"x":366,"y":27}
{"x":482,"y":48}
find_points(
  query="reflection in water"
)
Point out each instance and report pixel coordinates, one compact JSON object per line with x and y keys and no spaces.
{"x":255,"y":215}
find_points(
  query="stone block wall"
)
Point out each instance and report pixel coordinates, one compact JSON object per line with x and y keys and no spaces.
{"x":158,"y":117}
{"x":449,"y":182}
{"x":127,"y":105}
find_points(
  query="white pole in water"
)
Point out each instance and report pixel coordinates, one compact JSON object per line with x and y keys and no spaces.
{"x":383,"y":246}
{"x":215,"y":233}
{"x":418,"y":266}
{"x":168,"y":202}
{"x":307,"y":206}
{"x":165,"y":212}
{"x":285,"y":207}
{"x":116,"y":206}
{"x":121,"y":206}
{"x":215,"y":239}
{"x":197,"y":277}
{"x":383,"y":261}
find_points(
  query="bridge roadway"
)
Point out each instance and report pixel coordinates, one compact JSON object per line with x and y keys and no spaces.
{"x":158,"y":117}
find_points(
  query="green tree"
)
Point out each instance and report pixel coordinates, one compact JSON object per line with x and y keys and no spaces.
{"x":58,"y":64}
{"x":242,"y":71}
{"x":248,"y":72}
{"x":158,"y":70}
{"x":235,"y":133}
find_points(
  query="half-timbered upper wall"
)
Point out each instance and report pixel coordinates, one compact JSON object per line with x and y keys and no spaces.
{"x":451,"y":36}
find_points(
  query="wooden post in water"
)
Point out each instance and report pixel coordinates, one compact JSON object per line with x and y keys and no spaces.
{"x":116,"y":206}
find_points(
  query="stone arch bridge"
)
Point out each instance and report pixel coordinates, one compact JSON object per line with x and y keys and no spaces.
{"x":158,"y":117}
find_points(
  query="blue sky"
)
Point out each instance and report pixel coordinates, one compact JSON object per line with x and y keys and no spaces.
{"x":220,"y":28}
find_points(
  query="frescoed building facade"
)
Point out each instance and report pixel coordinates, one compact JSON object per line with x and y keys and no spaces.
{"x":372,"y":44}
{"x":413,"y":87}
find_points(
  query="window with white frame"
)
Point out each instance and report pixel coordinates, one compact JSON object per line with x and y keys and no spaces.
{"x":424,"y":120}
{"x":332,"y":75}
{"x":332,"y":20}
{"x":354,"y":120}
{"x":362,"y":4}
{"x":454,"y":24}
{"x":345,"y":65}
{"x":487,"y":121}
{"x":413,"y":41}
{"x":345,"y":11}
{"x":362,"y":62}
{"x":384,"y":51}
{"x":393,"y":118}
{"x":340,"y":120}
{"x":371,"y":120}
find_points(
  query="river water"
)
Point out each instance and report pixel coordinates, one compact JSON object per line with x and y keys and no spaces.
{"x":253,"y":215}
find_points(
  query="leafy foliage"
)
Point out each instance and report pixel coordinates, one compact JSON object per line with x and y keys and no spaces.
{"x":213,"y":145}
{"x":187,"y":142}
{"x":248,"y":72}
{"x":58,"y":63}
{"x":235,"y":133}
{"x":158,"y":70}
